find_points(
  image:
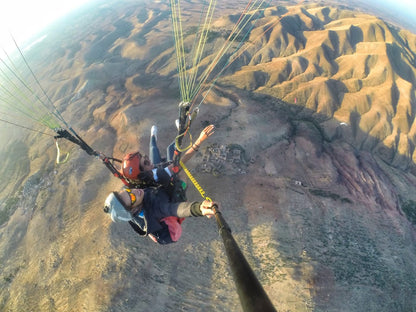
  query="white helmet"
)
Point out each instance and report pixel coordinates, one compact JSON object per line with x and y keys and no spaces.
{"x":114,"y":206}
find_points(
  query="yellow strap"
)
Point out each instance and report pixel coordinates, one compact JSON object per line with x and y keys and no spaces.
{"x":180,"y":148}
{"x":195,"y":182}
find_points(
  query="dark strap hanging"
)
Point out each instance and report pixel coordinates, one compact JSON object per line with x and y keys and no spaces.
{"x":76,"y":139}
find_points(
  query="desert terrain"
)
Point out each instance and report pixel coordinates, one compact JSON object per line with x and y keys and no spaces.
{"x":322,"y":201}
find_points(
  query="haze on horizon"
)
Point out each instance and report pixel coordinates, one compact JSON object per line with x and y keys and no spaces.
{"x":24,"y":18}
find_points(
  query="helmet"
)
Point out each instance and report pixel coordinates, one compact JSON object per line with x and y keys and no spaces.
{"x":131,"y":165}
{"x":115,"y":207}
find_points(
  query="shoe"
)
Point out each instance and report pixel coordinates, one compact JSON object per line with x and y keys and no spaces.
{"x":177,"y":124}
{"x":153,"y":132}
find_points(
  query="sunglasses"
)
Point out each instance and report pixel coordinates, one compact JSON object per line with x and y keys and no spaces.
{"x":133,"y":197}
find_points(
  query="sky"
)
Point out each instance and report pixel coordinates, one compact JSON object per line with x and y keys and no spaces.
{"x":405,"y":8}
{"x":24,"y":18}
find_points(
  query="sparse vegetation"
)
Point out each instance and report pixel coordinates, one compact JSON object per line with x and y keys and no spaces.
{"x":346,"y":200}
{"x":323,"y":193}
{"x":409,"y":209}
{"x":241,"y":37}
{"x":8,"y":279}
{"x":4,"y":217}
{"x":212,"y":35}
{"x":328,"y":194}
{"x":9,"y":207}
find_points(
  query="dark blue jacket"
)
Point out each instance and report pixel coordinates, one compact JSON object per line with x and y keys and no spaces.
{"x":156,"y":206}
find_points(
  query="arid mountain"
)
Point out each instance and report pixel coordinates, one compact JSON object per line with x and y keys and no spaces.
{"x":352,"y":67}
{"x":321,"y":199}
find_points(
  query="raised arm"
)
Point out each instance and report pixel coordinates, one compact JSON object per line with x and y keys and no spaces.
{"x":208,"y":131}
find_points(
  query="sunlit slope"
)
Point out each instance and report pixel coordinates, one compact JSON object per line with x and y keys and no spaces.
{"x":341,"y":64}
{"x":337,"y":63}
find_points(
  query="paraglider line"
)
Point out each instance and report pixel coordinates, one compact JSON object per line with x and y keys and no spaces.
{"x":27,"y":128}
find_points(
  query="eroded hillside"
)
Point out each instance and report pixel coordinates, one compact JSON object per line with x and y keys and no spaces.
{"x":344,"y":65}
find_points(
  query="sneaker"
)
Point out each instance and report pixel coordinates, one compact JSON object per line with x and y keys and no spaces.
{"x":177,"y":124}
{"x":153,"y":132}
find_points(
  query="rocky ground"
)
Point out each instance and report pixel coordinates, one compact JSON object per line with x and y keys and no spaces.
{"x":326,"y":222}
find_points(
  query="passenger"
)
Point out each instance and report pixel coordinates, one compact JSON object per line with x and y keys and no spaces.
{"x":150,"y":212}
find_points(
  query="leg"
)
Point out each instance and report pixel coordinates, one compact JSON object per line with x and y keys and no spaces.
{"x":154,"y":153}
{"x":169,"y":151}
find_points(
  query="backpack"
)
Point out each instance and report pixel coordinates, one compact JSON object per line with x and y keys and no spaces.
{"x":178,"y":191}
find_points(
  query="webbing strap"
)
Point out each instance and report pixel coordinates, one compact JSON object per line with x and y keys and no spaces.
{"x":194,"y":182}
{"x":58,"y":154}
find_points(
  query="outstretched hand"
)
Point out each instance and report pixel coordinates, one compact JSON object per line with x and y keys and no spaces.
{"x":206,"y":208}
{"x":208,"y":131}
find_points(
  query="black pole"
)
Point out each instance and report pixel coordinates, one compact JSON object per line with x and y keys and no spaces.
{"x":253,"y":298}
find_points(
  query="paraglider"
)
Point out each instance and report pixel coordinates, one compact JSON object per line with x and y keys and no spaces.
{"x":145,"y":171}
{"x":195,"y":82}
